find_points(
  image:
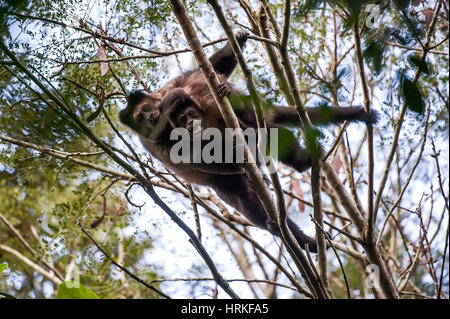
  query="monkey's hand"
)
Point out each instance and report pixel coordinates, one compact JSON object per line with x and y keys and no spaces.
{"x":224,"y":89}
{"x":265,"y":178}
{"x":242,"y":37}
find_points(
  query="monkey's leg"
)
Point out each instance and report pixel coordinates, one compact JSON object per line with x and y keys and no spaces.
{"x":237,"y":192}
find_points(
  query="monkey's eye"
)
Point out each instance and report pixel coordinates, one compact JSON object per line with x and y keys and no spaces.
{"x":191,"y":113}
{"x":145,"y":108}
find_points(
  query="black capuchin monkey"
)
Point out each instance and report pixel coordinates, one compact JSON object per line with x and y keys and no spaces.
{"x":187,"y":98}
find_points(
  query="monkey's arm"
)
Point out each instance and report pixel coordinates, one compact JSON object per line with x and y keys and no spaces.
{"x":224,"y":61}
{"x":322,"y":115}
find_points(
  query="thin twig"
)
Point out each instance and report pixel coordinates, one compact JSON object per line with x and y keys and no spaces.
{"x":141,"y":281}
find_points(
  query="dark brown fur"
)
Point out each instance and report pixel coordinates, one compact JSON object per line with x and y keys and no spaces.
{"x":187,"y":97}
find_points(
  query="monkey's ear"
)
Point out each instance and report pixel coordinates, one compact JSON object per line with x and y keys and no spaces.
{"x":125,"y":117}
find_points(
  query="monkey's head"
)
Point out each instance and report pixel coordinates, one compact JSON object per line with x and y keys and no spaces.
{"x":151,"y":116}
{"x":142,"y":112}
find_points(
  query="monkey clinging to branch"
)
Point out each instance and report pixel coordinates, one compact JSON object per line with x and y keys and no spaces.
{"x":187,"y":98}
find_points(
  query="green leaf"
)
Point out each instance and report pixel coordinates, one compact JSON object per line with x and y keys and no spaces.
{"x":308,"y":6}
{"x":421,"y":64}
{"x":3,"y":267}
{"x":411,"y":94}
{"x":373,"y":53}
{"x":74,"y":290}
{"x":313,"y":134}
{"x":4,"y":295}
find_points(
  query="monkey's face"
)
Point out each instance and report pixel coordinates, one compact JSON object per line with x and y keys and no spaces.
{"x":142,"y":112}
{"x":187,"y":117}
{"x":180,"y":109}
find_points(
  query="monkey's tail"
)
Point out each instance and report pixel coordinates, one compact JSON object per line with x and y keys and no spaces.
{"x":324,"y":115}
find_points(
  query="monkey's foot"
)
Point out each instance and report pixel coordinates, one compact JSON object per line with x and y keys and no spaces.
{"x":224,"y":89}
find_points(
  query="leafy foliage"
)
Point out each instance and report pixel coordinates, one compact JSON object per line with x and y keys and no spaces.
{"x":411,"y":94}
{"x":373,"y":53}
{"x":75,"y":290}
